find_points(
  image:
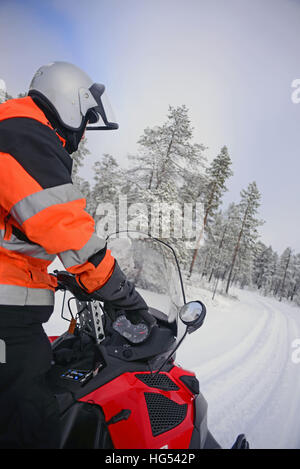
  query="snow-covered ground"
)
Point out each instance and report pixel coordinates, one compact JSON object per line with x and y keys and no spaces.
{"x":242,"y":356}
{"x":243,"y":359}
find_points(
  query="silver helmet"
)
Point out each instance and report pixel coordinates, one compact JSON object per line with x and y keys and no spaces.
{"x":73,"y":96}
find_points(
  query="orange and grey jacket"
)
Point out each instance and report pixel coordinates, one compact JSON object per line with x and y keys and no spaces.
{"x":41,"y":213}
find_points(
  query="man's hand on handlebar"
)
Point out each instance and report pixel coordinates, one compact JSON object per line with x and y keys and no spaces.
{"x":67,"y":281}
{"x":118,"y":294}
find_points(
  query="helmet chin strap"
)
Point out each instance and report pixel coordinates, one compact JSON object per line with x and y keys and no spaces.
{"x":72,"y":138}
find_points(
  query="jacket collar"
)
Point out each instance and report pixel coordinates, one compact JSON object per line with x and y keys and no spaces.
{"x":25,"y":107}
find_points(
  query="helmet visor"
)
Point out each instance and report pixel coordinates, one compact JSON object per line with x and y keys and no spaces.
{"x":101,"y":117}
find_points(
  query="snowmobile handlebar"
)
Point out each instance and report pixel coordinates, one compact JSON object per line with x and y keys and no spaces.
{"x":135,"y":328}
{"x":67,"y":281}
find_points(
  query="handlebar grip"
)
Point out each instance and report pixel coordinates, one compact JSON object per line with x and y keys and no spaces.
{"x":67,"y":281}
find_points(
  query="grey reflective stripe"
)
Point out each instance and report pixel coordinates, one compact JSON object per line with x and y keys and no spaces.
{"x":33,"y":250}
{"x":2,"y":233}
{"x":71,"y":258}
{"x":38,"y":201}
{"x":23,"y":296}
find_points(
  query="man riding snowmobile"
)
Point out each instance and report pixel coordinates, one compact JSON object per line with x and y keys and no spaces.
{"x":42,"y":215}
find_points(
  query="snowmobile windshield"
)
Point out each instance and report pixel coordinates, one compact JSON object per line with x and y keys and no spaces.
{"x":151,"y":266}
{"x":101,"y":117}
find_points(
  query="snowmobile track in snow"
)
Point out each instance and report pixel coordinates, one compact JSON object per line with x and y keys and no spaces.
{"x":254,"y":388}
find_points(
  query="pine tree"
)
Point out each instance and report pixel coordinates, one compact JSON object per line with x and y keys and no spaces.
{"x":110,"y":184}
{"x":218,"y":249}
{"x":4,"y":96}
{"x":263,"y":271}
{"x":295,"y":290}
{"x":217,"y":174}
{"x":285,"y":272}
{"x":250,"y":201}
{"x":109,"y":181}
{"x":167,"y":152}
{"x":166,"y":160}
{"x":78,"y":158}
{"x":270,"y":275}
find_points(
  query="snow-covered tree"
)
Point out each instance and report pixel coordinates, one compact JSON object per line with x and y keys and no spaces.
{"x":167,"y":152}
{"x":78,"y":162}
{"x":295,"y":286}
{"x":109,"y":180}
{"x":215,"y":186}
{"x":110,"y":184}
{"x":294,"y":280}
{"x":4,"y":96}
{"x":221,"y":234}
{"x":167,"y":161}
{"x":263,"y":267}
{"x":79,"y":156}
{"x":284,"y":273}
{"x":247,"y":235}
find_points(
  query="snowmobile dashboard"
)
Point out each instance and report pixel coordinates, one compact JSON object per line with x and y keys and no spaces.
{"x":134,"y":333}
{"x":158,"y":342}
{"x":138,"y":333}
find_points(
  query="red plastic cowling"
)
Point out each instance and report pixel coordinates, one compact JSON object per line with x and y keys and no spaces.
{"x":52,"y":338}
{"x":127,"y":392}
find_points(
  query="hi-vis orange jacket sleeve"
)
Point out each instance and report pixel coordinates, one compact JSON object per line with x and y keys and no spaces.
{"x":42,"y":214}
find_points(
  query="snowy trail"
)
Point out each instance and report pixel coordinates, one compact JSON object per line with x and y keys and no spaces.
{"x":252,"y":387}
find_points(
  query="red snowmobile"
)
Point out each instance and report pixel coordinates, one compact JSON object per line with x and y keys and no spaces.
{"x":116,"y":382}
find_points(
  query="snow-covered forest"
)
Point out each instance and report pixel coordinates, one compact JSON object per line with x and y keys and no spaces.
{"x":170,"y":168}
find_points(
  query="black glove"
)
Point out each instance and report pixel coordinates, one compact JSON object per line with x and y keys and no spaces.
{"x":135,"y":317}
{"x":142,"y":315}
{"x":119,"y":296}
{"x":119,"y":293}
{"x":67,"y":281}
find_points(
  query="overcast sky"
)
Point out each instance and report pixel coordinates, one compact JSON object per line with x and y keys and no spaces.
{"x":232,"y":62}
